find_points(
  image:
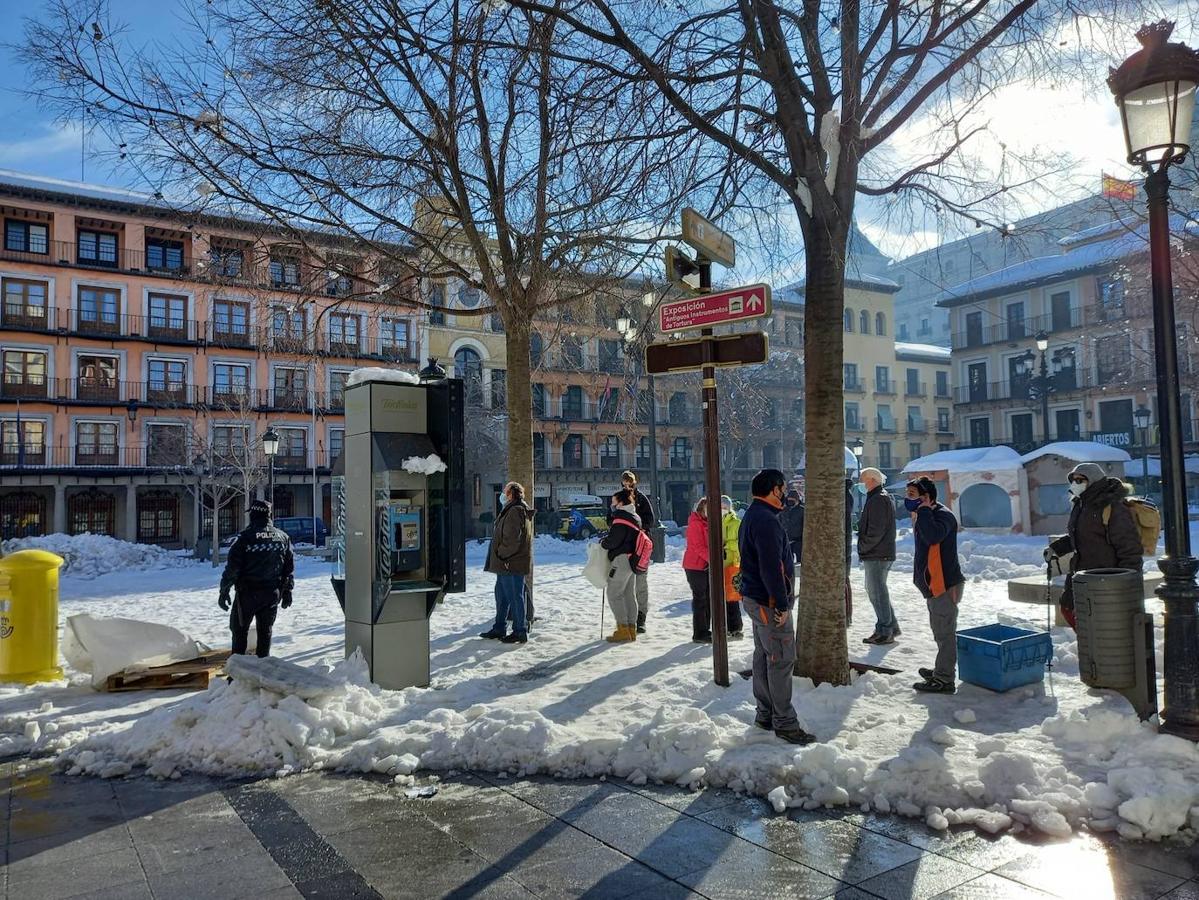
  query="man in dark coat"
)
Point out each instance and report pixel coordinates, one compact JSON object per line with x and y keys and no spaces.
{"x":792,"y":518}
{"x":510,"y":558}
{"x":260,"y":570}
{"x":1114,"y":544}
{"x":876,"y":550}
{"x":767,"y":594}
{"x":936,"y":572}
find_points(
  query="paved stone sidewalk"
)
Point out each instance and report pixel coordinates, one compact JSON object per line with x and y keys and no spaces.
{"x":333,"y":836}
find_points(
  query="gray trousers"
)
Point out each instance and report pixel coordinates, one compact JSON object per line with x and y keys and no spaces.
{"x":622,"y":590}
{"x":876,"y":571}
{"x":943,"y":618}
{"x":642,"y":592}
{"x":774,"y":658}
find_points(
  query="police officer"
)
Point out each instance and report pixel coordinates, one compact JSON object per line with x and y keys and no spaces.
{"x":260,"y":567}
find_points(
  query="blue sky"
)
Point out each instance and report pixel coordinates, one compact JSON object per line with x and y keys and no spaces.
{"x":31,"y":140}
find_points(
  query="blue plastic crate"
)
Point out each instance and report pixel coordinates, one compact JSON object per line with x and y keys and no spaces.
{"x":1000,"y":657}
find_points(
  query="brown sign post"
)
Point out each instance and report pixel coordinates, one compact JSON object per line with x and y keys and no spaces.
{"x":706,"y":354}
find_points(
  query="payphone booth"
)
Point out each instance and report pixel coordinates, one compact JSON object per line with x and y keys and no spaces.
{"x":405,"y":527}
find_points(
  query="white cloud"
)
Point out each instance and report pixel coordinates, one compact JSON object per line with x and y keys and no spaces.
{"x":49,"y":140}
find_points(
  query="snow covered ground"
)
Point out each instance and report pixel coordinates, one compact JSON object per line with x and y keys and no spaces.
{"x":1051,"y":757}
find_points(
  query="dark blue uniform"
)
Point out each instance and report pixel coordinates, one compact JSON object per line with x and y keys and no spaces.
{"x":260,"y":569}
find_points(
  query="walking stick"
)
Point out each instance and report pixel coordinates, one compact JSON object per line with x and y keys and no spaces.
{"x":603,"y":603}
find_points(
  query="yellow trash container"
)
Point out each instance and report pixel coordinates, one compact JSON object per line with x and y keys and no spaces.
{"x":29,"y":616}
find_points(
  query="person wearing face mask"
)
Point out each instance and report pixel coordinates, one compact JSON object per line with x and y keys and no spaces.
{"x":510,"y":557}
{"x":937,"y":574}
{"x":767,"y":593}
{"x":1096,"y":543}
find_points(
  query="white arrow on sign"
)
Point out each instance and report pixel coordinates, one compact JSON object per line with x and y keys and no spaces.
{"x":754,"y":302}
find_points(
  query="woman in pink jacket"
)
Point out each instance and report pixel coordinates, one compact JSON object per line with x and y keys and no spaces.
{"x":695,"y":566}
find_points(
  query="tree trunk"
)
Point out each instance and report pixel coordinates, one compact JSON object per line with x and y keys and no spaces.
{"x":823,"y":655}
{"x":520,"y":404}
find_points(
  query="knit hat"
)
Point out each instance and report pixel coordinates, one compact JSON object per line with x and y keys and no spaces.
{"x":260,"y":508}
{"x":1092,"y":472}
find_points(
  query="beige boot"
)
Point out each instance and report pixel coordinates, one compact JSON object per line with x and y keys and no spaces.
{"x":621,"y":635}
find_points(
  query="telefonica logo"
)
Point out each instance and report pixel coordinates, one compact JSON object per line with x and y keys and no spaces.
{"x":399,"y":405}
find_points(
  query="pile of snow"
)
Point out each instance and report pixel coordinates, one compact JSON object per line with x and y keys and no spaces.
{"x":426,"y":465}
{"x":375,"y":373}
{"x":91,"y":555}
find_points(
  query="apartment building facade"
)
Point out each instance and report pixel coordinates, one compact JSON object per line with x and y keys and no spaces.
{"x":145,"y":356}
{"x":1090,"y":302}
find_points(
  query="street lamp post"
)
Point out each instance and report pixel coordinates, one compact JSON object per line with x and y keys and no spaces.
{"x":1140,"y":418}
{"x":1155,"y":91}
{"x":270,"y":446}
{"x":1040,"y":383}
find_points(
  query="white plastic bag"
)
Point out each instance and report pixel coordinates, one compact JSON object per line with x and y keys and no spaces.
{"x":102,"y":646}
{"x":596,"y":569}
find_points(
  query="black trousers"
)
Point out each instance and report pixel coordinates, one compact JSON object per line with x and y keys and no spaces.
{"x":701,"y":603}
{"x":239,"y":624}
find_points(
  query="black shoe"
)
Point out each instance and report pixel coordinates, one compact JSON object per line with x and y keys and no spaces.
{"x":794,"y":735}
{"x":926,"y":674}
{"x":873,"y":639}
{"x":641,"y":623}
{"x":736,"y":635}
{"x":515,"y":638}
{"x":702,"y":639}
{"x":492,"y":635}
{"x":883,"y":641}
{"x":896,"y":633}
{"x":764,"y":724}
{"x":936,"y":686}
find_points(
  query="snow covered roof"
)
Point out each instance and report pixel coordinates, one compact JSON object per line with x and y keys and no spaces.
{"x":66,"y":187}
{"x":860,"y":280}
{"x":1080,"y":451}
{"x":903,"y":348}
{"x":1095,"y":231}
{"x":968,"y":459}
{"x":1047,"y":269}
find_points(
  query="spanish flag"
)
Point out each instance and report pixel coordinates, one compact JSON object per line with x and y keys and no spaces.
{"x":1118,"y":188}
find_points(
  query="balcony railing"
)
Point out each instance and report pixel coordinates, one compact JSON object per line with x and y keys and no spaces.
{"x":22,"y":317}
{"x":855,"y":387}
{"x":1017,"y":330}
{"x":26,"y":387}
{"x":915,"y":389}
{"x":677,"y":462}
{"x":1022,"y":388}
{"x":917,"y":425}
{"x":884,"y":389}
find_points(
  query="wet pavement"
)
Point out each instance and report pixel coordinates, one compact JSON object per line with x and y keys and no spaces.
{"x":335,"y":836}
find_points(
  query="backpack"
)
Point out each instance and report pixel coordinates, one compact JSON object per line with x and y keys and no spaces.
{"x":1147,"y":518}
{"x":642,"y":553}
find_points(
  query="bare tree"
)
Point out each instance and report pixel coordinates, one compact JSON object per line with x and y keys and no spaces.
{"x":457,"y":142}
{"x":818,"y":102}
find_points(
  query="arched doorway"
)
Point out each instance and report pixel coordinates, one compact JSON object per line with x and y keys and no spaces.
{"x":468,"y":366}
{"x":985,"y":505}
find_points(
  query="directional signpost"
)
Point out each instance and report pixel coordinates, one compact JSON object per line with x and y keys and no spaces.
{"x":705,"y":310}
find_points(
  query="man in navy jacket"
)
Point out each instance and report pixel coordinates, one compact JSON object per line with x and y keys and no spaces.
{"x":936,"y":572}
{"x":767,"y":586}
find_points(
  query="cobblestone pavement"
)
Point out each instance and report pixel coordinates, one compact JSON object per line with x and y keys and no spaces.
{"x":335,"y":836}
